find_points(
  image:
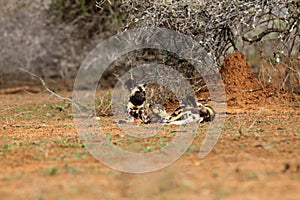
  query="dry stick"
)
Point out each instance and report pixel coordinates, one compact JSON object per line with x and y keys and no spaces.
{"x":50,"y":91}
{"x":253,"y":123}
{"x":285,"y":80}
{"x":21,"y":113}
{"x":45,"y":86}
{"x":119,"y":79}
{"x":254,"y":90}
{"x":106,"y":108}
{"x":298,"y":73}
{"x":10,"y":108}
{"x":18,"y":89}
{"x":261,"y":88}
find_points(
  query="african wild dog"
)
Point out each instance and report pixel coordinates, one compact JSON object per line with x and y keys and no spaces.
{"x":190,"y":111}
{"x":136,"y":103}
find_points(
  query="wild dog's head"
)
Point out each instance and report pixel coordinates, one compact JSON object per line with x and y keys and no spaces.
{"x":137,"y":92}
{"x":208,"y":113}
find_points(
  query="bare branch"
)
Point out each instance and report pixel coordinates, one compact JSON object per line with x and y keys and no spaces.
{"x":45,"y":86}
{"x":77,"y":104}
{"x":259,"y":37}
{"x":220,"y":26}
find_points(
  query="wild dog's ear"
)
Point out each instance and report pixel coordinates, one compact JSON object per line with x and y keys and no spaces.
{"x":190,"y":100}
{"x":130,"y":84}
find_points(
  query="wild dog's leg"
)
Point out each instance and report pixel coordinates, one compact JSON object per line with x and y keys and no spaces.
{"x":143,"y":115}
{"x":180,"y":113}
{"x":173,"y":117}
{"x":191,"y":113}
{"x":155,"y":112}
{"x":128,"y":119}
{"x":129,"y":116}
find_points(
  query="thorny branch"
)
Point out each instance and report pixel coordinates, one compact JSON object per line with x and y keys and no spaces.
{"x":222,"y":26}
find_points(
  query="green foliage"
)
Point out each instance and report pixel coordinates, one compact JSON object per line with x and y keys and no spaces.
{"x":83,"y":5}
{"x":68,"y":6}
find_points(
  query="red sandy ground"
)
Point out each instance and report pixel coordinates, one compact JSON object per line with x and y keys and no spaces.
{"x":256,"y":157}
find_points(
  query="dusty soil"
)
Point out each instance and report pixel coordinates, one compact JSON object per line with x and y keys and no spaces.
{"x":256,"y":157}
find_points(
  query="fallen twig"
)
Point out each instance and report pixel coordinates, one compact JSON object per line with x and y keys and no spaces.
{"x":15,"y":90}
{"x":254,"y":90}
{"x":45,"y":86}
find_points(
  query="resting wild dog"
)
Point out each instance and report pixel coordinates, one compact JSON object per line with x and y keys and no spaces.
{"x":136,"y":103}
{"x":189,"y":111}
